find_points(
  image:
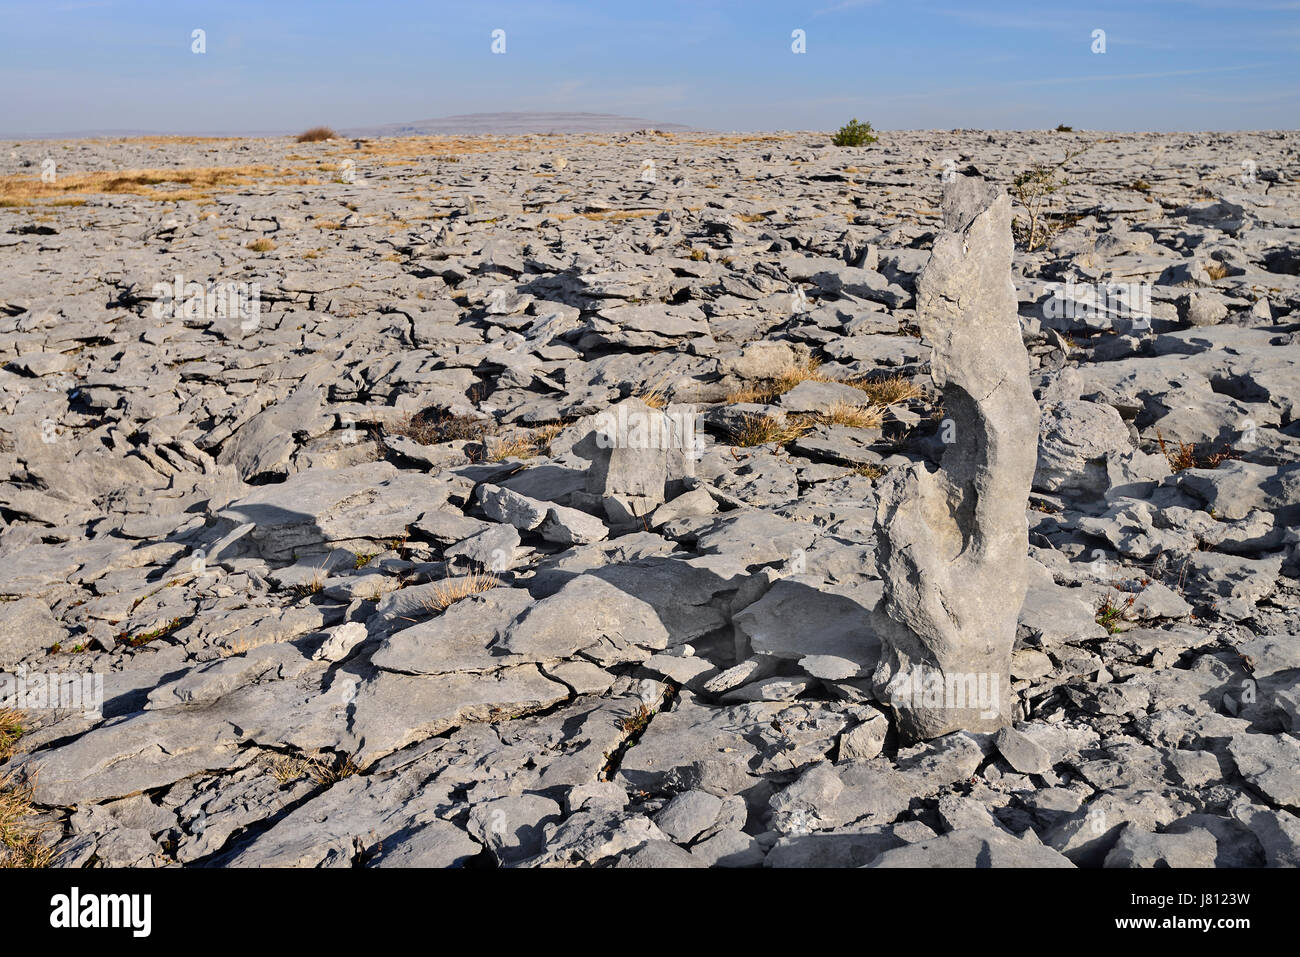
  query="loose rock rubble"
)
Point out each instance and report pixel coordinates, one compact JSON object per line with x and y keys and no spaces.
{"x":372,"y":576}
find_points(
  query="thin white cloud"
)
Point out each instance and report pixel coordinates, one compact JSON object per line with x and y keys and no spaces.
{"x":845,"y":5}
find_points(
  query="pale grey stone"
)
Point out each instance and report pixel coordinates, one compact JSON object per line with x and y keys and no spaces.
{"x":1138,"y":848}
{"x":954,"y":576}
{"x":972,"y":847}
{"x":1021,"y":752}
{"x":26,"y":628}
{"x":689,"y":814}
{"x":659,"y":853}
{"x":1270,"y":763}
{"x":511,"y":828}
{"x":341,"y":641}
{"x":729,"y":847}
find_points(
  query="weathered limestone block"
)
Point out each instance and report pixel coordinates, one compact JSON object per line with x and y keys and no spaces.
{"x":640,"y":456}
{"x":952,"y":543}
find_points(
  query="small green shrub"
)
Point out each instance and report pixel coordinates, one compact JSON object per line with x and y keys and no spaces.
{"x":854,"y":134}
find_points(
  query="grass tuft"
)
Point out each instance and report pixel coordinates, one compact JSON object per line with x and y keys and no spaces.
{"x":451,"y":590}
{"x":755,"y":429}
{"x":544,"y":435}
{"x":20,"y":841}
{"x":11,"y":729}
{"x":655,"y":397}
{"x":25,"y":190}
{"x":853,"y":416}
{"x":515,"y":447}
{"x":869,"y":470}
{"x":287,"y":768}
{"x":783,"y":382}
{"x":889,"y":390}
{"x":432,"y":426}
{"x":328,"y":773}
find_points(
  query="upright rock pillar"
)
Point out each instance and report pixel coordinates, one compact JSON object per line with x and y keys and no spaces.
{"x":952,"y":543}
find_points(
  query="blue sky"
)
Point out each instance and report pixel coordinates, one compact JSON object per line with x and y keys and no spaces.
{"x":283,"y":65}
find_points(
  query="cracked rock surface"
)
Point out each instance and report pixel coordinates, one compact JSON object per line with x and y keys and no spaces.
{"x":372,"y":576}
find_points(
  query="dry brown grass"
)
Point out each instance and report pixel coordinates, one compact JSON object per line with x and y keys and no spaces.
{"x":732,"y":140}
{"x":451,"y":590}
{"x":430,"y":427}
{"x":889,"y":390}
{"x":611,"y":216}
{"x":544,"y":435}
{"x":882,"y":391}
{"x":11,"y":729}
{"x":519,"y":446}
{"x":20,"y":840}
{"x":262,"y":245}
{"x":409,"y":150}
{"x":757,"y":429}
{"x":317,"y":134}
{"x":158,"y":142}
{"x":785,"y":380}
{"x":869,"y":470}
{"x":286,"y":768}
{"x":752,"y":394}
{"x":853,"y":416}
{"x":312,"y":586}
{"x":655,"y":396}
{"x":331,"y":772}
{"x":26,"y":190}
{"x":808,"y":370}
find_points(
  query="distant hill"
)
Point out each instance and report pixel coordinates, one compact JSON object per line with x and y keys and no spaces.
{"x":500,"y":124}
{"x":503,"y":124}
